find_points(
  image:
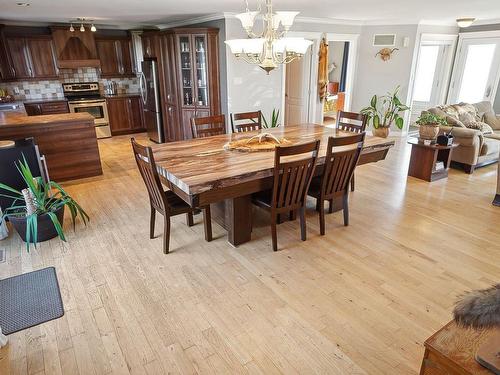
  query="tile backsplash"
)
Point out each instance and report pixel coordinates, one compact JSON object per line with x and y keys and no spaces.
{"x":52,"y":89}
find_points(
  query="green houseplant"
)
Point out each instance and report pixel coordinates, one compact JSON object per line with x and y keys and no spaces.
{"x":37,"y":212}
{"x":428,"y":125}
{"x":274,"y":123}
{"x":384,"y":111}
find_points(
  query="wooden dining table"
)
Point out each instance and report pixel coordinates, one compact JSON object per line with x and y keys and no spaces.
{"x":202,"y":171}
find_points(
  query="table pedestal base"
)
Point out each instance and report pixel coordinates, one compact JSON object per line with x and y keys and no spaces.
{"x":235,"y":215}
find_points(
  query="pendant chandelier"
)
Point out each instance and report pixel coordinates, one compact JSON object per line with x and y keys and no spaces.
{"x":269,"y":48}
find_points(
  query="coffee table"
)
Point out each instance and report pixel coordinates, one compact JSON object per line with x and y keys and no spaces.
{"x":425,"y":157}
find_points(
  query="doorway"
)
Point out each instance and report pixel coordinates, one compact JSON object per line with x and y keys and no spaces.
{"x":477,"y":68}
{"x":297,"y":88}
{"x":338,"y":58}
{"x":432,"y":74}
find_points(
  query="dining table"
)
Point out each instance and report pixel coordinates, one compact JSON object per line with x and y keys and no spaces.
{"x":203,"y":171}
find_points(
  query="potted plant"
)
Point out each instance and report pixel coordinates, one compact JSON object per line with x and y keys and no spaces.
{"x":384,"y":111}
{"x":274,"y":120}
{"x":428,"y":125}
{"x":37,"y":212}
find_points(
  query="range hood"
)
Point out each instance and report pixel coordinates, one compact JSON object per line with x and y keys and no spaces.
{"x":75,"y":49}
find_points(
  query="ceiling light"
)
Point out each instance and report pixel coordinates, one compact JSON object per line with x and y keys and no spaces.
{"x":71,"y":28}
{"x":93,"y":28}
{"x":23,"y":4}
{"x":465,"y":22}
{"x":82,"y":28}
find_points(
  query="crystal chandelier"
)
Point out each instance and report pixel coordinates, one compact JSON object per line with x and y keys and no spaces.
{"x":269,"y":48}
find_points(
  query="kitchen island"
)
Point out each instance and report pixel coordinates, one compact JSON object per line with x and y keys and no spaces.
{"x":67,"y":140}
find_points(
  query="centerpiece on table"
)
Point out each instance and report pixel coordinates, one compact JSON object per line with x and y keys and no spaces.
{"x":37,"y":212}
{"x":384,"y":111}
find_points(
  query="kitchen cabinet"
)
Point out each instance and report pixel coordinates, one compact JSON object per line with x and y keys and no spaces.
{"x":115,"y":55}
{"x":150,"y":41}
{"x":74,"y":49}
{"x":32,"y":57}
{"x":125,"y":114}
{"x":6,"y":71}
{"x":46,"y":107}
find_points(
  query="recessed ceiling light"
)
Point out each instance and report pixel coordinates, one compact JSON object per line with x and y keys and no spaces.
{"x":465,"y":22}
{"x":23,"y":4}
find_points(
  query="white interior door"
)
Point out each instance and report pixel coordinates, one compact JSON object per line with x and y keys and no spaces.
{"x":297,"y":91}
{"x":476,"y":73}
{"x":431,"y":76}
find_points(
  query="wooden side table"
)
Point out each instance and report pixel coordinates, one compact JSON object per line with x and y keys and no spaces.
{"x":424,"y":158}
{"x":452,"y":351}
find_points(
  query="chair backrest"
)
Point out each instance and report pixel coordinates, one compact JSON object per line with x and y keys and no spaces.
{"x":202,"y":127}
{"x":339,"y":164}
{"x":293,"y":176}
{"x":147,"y":167}
{"x":351,"y":121}
{"x":248,"y":121}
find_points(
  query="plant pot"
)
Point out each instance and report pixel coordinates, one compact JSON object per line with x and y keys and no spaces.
{"x":46,"y":229}
{"x":382,"y":132}
{"x":428,"y":132}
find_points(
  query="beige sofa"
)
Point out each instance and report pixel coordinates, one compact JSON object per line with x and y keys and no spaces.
{"x":476,"y":147}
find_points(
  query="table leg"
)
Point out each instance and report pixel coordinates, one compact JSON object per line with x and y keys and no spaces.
{"x":235,"y":215}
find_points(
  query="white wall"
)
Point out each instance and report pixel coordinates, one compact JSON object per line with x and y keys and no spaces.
{"x":374,"y":76}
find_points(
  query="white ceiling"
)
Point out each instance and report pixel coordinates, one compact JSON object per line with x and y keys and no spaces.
{"x":133,"y":13}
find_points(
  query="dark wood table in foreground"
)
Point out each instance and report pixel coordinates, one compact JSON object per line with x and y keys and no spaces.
{"x":452,"y":351}
{"x":201,"y":171}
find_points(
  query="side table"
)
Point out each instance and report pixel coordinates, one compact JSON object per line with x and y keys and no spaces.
{"x":426,"y":158}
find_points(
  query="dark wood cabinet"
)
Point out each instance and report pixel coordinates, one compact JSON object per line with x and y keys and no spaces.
{"x":150,"y":41}
{"x":6,"y":71}
{"x":125,"y":114}
{"x":115,"y":55}
{"x":31,"y":57}
{"x":74,"y":49}
{"x":46,"y":107}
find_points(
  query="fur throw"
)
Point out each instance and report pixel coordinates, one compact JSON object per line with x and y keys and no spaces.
{"x":479,"y":308}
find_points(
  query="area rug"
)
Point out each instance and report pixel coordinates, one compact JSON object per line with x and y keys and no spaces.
{"x":29,"y":299}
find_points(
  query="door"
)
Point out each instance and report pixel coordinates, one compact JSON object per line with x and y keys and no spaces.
{"x":476,"y":72}
{"x":431,"y":76}
{"x":296,"y":91}
{"x":42,"y":57}
{"x":135,"y":113}
{"x":19,"y":57}
{"x":119,"y":120}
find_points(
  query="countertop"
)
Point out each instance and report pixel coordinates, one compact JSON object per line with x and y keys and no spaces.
{"x":128,"y":95}
{"x":39,"y":101}
{"x":9,"y":119}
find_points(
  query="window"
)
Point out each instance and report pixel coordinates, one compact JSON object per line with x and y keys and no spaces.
{"x":426,"y":70}
{"x":476,"y":72}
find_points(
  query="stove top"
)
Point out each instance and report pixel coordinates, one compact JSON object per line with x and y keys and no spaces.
{"x":78,"y":91}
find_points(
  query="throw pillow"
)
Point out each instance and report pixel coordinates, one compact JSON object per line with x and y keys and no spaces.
{"x":491,"y":119}
{"x":478,"y":125}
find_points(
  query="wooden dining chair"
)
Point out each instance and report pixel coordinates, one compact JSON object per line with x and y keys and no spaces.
{"x":292,"y":177}
{"x":351,"y":122}
{"x":167,"y":202}
{"x":202,"y":127}
{"x":248,"y":121}
{"x":337,"y":172}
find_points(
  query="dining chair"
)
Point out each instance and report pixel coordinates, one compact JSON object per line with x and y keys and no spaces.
{"x":167,"y":202}
{"x":351,"y":122}
{"x":202,"y":127}
{"x":248,"y":121}
{"x":337,"y":172}
{"x":293,"y":170}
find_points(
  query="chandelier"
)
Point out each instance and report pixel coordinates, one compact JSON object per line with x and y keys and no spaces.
{"x":269,"y":48}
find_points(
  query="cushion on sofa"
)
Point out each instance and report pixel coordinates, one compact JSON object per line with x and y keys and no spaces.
{"x":491,"y":119}
{"x":490,"y":146}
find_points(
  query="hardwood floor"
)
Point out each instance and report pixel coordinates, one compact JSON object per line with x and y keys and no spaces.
{"x":361,"y":299}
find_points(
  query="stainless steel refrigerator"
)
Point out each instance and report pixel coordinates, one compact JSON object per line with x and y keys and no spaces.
{"x":150,"y":92}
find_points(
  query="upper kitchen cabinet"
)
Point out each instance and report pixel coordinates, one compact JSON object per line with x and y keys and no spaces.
{"x":75,"y":49}
{"x":6,"y":71}
{"x":115,"y":54}
{"x":150,"y":44}
{"x":31,"y":57}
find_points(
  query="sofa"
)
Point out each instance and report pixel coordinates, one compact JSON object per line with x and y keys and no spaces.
{"x":476,"y":129}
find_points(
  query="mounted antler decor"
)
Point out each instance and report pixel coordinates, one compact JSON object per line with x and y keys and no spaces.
{"x":385,"y":53}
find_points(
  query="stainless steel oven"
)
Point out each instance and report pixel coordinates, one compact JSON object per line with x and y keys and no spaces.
{"x":85,"y":97}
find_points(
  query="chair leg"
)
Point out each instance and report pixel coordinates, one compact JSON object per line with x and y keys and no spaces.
{"x":302,"y":214}
{"x":152,"y":223}
{"x":207,"y":222}
{"x":166,"y":234}
{"x":352,"y":182}
{"x":189,"y":219}
{"x":293,"y":215}
{"x":330,"y":206}
{"x":322,"y":218}
{"x":346,"y":209}
{"x":318,"y":204}
{"x":274,"y":235}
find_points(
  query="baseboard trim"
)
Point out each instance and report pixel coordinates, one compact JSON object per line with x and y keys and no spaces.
{"x":496,"y":200}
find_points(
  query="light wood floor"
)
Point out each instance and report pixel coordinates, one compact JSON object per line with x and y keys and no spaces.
{"x":361,"y":299}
